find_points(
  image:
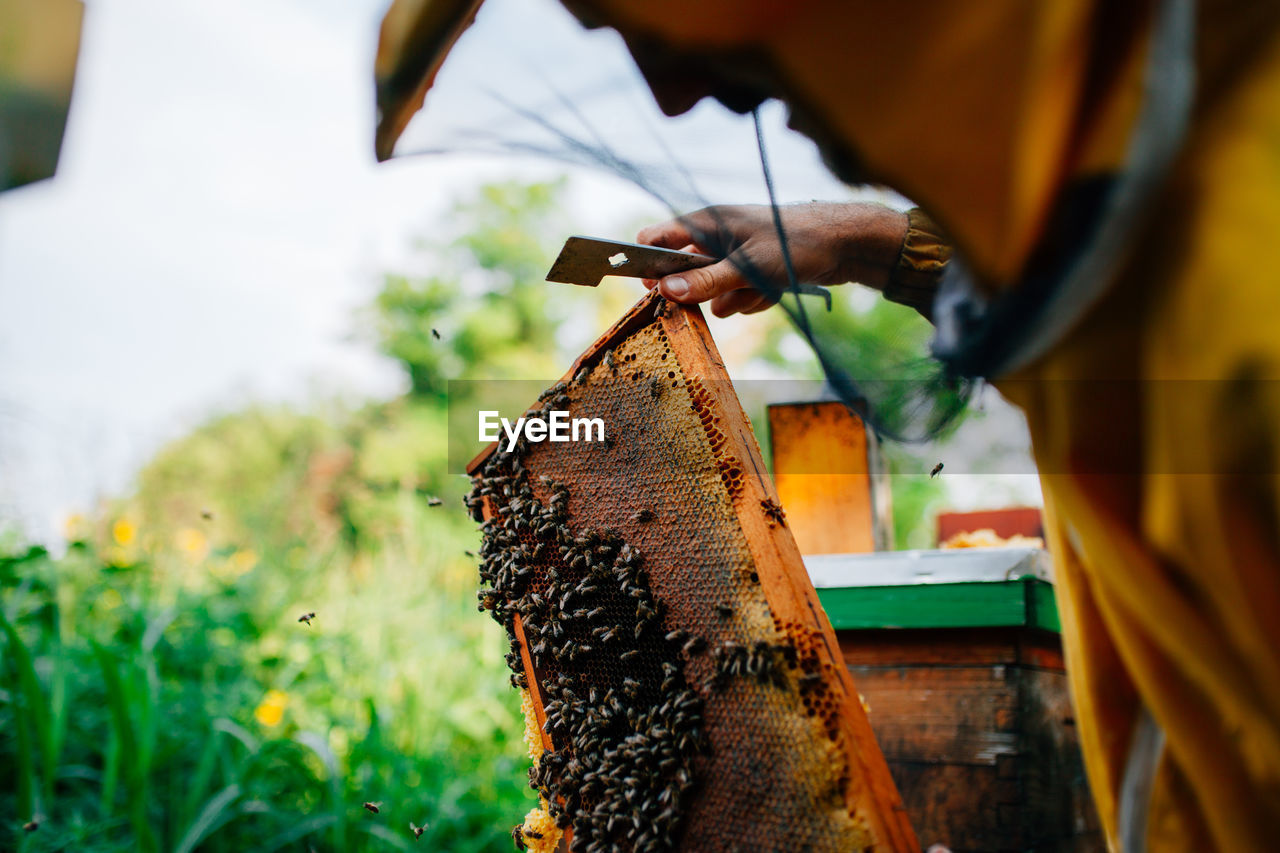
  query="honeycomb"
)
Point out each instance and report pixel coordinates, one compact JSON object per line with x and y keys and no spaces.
{"x":675,"y":709}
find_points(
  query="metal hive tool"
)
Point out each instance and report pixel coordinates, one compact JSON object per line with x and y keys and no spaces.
{"x":685,"y":687}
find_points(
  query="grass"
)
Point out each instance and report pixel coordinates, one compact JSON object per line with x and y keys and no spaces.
{"x":157,"y":692}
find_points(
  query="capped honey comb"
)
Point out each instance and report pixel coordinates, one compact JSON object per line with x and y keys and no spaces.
{"x":686,"y":686}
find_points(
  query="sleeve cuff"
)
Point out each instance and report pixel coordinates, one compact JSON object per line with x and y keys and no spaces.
{"x":915,"y":277}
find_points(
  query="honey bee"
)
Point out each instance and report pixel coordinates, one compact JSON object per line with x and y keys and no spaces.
{"x":417,"y":830}
{"x":774,"y":511}
{"x":662,"y":309}
{"x":937,"y":469}
{"x":307,"y":617}
{"x":608,"y":360}
{"x":724,"y":609}
{"x":643,"y":516}
{"x":31,"y":825}
{"x":434,"y":501}
{"x":435,"y":334}
{"x":373,"y":807}
{"x":517,"y":836}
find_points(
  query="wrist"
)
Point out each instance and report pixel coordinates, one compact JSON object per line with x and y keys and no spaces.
{"x":917,"y":273}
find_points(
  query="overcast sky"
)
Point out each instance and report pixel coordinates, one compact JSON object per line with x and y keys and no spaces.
{"x":218,"y":217}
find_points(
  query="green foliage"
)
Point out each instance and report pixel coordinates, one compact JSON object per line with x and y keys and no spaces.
{"x":484,"y":293}
{"x":168,"y":698}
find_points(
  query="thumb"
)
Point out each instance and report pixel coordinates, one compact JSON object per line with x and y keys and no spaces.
{"x":704,"y":283}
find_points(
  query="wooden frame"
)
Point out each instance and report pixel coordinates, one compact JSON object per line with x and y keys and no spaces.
{"x":787,"y":589}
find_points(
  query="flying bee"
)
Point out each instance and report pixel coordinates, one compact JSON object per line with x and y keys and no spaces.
{"x":307,"y":617}
{"x":206,"y":514}
{"x":937,"y":469}
{"x":417,"y":830}
{"x":434,"y":501}
{"x":31,"y":825}
{"x":435,"y":334}
{"x":373,"y":807}
{"x":469,"y":553}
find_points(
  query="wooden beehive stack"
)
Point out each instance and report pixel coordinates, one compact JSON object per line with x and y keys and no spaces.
{"x":956,"y":652}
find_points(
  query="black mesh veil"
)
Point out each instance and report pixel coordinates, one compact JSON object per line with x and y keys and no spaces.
{"x":537,"y":102}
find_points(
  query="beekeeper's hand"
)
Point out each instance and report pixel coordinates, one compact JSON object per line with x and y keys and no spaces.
{"x":829,"y":242}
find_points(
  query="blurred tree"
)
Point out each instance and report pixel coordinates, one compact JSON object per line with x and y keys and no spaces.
{"x":483,"y":309}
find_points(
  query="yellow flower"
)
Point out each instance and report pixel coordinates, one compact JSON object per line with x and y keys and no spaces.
{"x":270,"y":710}
{"x":123,"y":531}
{"x":243,"y":560}
{"x":192,"y":542}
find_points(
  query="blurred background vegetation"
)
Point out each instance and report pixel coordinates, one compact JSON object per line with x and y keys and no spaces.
{"x":158,"y":691}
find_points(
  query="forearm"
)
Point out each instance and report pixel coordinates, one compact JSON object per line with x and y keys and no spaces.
{"x":868,"y":241}
{"x":903,"y":255}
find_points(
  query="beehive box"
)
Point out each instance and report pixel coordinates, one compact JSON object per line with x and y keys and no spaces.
{"x":958,"y":657}
{"x":684,"y":687}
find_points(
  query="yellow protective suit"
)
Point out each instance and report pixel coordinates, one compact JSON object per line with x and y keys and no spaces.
{"x":1156,"y":419}
{"x":1168,"y":579}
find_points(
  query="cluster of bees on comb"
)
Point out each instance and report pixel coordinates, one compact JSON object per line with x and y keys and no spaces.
{"x":624,"y":723}
{"x":621,"y":768}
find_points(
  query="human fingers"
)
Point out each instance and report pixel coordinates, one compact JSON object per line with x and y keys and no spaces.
{"x":707,"y":229}
{"x":651,"y":283}
{"x":744,"y":300}
{"x":699,"y":285}
{"x":671,"y":234}
{"x":762,"y":303}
